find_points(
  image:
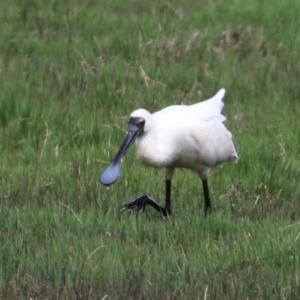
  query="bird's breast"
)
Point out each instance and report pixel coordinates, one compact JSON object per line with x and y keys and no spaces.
{"x":147,"y":154}
{"x":152,"y":153}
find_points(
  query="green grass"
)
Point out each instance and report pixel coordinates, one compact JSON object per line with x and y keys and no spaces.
{"x":70,"y":75}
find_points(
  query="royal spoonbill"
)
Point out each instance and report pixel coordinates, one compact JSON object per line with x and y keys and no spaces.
{"x":179,"y":136}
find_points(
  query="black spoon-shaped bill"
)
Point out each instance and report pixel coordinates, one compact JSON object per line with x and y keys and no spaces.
{"x":112,"y":172}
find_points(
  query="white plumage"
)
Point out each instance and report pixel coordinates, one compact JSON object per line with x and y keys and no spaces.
{"x":191,"y":137}
{"x":179,"y":136}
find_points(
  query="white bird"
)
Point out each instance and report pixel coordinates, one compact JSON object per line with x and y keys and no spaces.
{"x":179,"y":136}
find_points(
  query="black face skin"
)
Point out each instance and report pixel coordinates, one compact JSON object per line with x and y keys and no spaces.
{"x":112,"y":172}
{"x":136,"y":124}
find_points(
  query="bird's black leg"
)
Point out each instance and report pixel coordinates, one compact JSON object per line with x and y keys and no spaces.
{"x":207,"y":203}
{"x":168,"y":197}
{"x":141,"y":202}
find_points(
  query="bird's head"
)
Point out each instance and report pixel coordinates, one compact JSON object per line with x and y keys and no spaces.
{"x":141,"y":119}
{"x":138,"y":124}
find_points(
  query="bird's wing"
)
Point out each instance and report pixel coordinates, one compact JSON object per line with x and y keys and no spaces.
{"x":215,"y":101}
{"x":205,"y":111}
{"x":210,"y":108}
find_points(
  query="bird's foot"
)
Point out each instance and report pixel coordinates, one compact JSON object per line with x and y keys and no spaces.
{"x":140,"y":203}
{"x":207,"y":210}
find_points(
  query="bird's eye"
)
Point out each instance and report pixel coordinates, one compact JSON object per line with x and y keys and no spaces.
{"x":142,"y":121}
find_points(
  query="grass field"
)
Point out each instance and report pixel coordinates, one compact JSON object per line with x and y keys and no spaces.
{"x":71,"y":72}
